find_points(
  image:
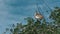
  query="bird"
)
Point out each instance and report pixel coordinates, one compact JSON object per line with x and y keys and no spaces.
{"x":38,"y":15}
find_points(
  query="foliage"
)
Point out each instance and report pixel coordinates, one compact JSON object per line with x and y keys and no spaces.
{"x":38,"y":26}
{"x":55,"y":14}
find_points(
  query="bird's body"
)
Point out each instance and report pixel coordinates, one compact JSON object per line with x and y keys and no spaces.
{"x":38,"y":15}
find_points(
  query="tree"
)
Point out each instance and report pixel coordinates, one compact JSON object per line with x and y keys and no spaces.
{"x":38,"y":26}
{"x":55,"y":15}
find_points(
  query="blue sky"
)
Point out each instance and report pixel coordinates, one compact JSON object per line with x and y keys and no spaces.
{"x":14,"y":11}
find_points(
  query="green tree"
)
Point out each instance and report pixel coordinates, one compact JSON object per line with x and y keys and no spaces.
{"x":38,"y":26}
{"x":55,"y":16}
